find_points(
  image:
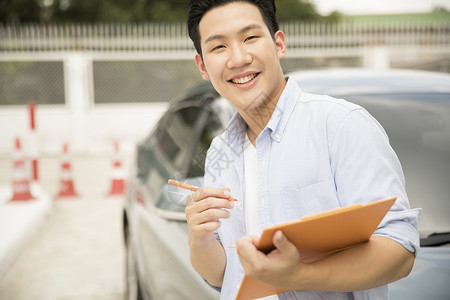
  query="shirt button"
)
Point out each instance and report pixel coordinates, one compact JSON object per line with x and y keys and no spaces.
{"x":277,"y":136}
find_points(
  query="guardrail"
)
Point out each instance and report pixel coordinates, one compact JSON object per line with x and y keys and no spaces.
{"x":173,"y":36}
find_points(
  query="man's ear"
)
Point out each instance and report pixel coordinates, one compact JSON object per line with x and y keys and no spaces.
{"x":280,"y":43}
{"x":201,"y":67}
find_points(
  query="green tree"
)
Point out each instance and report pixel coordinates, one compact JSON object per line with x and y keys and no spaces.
{"x":17,"y":11}
{"x":173,"y":10}
{"x":126,"y":11}
{"x":334,"y":17}
{"x":119,"y":11}
{"x":75,"y":11}
{"x":296,"y":10}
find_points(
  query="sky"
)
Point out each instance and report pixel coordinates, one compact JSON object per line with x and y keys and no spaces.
{"x":361,"y":7}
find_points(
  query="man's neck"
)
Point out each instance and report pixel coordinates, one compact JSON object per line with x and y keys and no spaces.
{"x":257,"y":118}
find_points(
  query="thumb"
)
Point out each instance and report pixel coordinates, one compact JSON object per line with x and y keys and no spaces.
{"x":282,"y":243}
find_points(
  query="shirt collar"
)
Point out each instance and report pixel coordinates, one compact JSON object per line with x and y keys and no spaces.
{"x":236,"y":130}
{"x":284,"y":109}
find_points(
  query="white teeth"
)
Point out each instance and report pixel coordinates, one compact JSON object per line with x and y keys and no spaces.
{"x":244,"y":79}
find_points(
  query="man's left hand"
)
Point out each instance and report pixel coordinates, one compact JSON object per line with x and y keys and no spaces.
{"x":277,"y":268}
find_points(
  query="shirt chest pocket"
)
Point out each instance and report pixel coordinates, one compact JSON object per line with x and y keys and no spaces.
{"x":314,"y":198}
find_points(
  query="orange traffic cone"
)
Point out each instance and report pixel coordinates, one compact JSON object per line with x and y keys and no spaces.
{"x":67,"y":186}
{"x":21,"y":183}
{"x":118,"y":174}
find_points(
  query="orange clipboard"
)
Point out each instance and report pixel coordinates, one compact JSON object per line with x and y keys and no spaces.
{"x":318,"y":235}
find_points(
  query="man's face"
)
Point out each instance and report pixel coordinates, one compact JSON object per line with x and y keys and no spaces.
{"x":240,"y":56}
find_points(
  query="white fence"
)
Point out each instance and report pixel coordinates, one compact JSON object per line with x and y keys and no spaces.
{"x":173,"y":37}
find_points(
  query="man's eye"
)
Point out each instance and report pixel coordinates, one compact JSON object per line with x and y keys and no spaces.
{"x":251,"y":38}
{"x":217,"y":48}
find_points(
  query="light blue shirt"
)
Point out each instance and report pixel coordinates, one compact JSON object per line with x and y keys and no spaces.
{"x":316,"y":153}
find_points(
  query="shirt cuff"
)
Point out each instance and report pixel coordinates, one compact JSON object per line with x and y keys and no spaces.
{"x":401,"y":226}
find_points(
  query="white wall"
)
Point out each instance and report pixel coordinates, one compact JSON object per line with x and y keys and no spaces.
{"x":88,"y":131}
{"x":86,"y":127}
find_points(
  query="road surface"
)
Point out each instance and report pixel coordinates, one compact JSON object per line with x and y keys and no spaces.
{"x":78,"y":253}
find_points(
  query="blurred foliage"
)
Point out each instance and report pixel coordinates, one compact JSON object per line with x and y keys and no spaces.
{"x":288,"y":10}
{"x":128,"y":11}
{"x":439,"y":14}
{"x":16,"y":11}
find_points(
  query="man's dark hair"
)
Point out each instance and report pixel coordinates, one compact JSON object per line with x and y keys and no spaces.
{"x":198,"y":8}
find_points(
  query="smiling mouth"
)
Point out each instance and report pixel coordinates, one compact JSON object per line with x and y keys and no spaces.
{"x":245,"y":79}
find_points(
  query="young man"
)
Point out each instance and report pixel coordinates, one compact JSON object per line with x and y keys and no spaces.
{"x":289,"y":154}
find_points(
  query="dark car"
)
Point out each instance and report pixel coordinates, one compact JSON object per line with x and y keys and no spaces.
{"x":412,"y":106}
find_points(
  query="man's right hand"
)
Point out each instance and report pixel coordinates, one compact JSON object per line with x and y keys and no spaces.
{"x":204,"y":209}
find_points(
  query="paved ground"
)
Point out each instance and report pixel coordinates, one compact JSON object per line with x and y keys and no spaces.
{"x":78,"y":252}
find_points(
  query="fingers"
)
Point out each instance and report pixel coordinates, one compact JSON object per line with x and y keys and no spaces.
{"x":246,"y":247}
{"x":246,"y":242}
{"x":204,"y":209}
{"x":283,"y":244}
{"x":271,"y":267}
{"x":252,"y":260}
{"x":208,"y":198}
{"x":207,"y":215}
{"x":208,"y":192}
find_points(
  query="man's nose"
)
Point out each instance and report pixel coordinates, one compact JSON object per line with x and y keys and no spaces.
{"x":239,"y":57}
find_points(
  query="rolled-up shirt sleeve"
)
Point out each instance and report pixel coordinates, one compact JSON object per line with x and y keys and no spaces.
{"x":401,"y":226}
{"x":367,"y":169}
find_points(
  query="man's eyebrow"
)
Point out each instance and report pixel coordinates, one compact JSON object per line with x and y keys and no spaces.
{"x":243,"y":30}
{"x":249,"y":27}
{"x":214,"y":37}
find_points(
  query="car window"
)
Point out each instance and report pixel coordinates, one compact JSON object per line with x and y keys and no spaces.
{"x":184,"y":137}
{"x":175,"y":135}
{"x":212,"y":128}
